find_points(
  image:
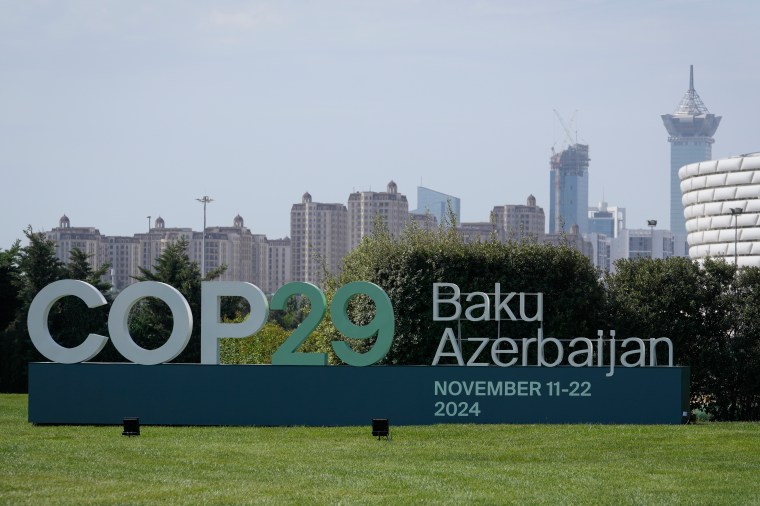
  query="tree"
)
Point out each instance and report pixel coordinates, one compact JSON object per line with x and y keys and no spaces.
{"x":254,"y":349}
{"x":23,"y":273}
{"x":296,"y":309}
{"x":36,"y":267}
{"x":9,"y":306}
{"x":710,"y":312}
{"x":658,"y":298}
{"x":151,"y":321}
{"x":407,"y":267}
{"x":73,"y":320}
{"x":735,"y":357}
{"x":79,"y":268}
{"x":8,"y":291}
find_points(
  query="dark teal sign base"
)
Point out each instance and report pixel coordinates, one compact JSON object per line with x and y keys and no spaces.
{"x":195,"y":394}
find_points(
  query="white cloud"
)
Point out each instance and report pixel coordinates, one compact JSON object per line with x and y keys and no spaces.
{"x":248,"y":18}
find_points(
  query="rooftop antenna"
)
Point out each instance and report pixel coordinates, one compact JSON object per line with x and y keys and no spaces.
{"x":575,"y":124}
{"x":691,"y":104}
{"x":691,"y":77}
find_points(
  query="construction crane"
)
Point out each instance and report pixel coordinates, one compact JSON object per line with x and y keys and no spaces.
{"x":568,"y":129}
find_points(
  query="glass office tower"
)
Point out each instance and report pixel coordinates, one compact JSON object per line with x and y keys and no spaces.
{"x":437,"y":204}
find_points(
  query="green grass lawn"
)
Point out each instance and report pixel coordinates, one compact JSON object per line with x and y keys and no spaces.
{"x":708,"y":463}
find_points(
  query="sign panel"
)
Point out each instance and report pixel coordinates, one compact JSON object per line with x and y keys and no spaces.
{"x":200,"y":394}
{"x":541,"y":379}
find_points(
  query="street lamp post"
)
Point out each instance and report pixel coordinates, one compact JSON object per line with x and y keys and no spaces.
{"x":150,"y":262}
{"x":652,"y":224}
{"x":204,"y":200}
{"x":735,"y":212}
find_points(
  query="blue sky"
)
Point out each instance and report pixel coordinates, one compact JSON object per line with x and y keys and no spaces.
{"x":112,"y":111}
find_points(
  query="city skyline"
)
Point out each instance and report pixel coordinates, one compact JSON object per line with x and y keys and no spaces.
{"x":118,"y":111}
{"x":321,"y":235}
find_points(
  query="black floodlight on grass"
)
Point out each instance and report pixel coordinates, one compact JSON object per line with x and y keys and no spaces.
{"x":131,"y":427}
{"x":381,"y":428}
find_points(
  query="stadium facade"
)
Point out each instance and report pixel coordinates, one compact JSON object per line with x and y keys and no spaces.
{"x":721,"y":200}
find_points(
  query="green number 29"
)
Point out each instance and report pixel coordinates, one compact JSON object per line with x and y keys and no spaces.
{"x":382,"y":324}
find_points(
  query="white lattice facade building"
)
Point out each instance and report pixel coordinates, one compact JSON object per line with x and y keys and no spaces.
{"x":721,"y":200}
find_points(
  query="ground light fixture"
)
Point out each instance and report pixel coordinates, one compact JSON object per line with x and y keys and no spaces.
{"x":131,"y":426}
{"x":381,"y":428}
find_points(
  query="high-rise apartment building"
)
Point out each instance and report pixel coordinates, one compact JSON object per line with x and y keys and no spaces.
{"x":319,"y":239}
{"x":437,"y":204}
{"x":278,"y":264}
{"x":244,"y":254}
{"x":690,"y":128}
{"x":159,"y":237}
{"x":424,"y":221}
{"x":123,"y":253}
{"x":568,"y":189}
{"x":642,"y":243}
{"x":572,"y":239}
{"x":365,"y":207}
{"x":601,"y":245}
{"x":238,"y":249}
{"x":86,"y":239}
{"x":260,"y":257}
{"x":476,"y":231}
{"x":520,"y":222}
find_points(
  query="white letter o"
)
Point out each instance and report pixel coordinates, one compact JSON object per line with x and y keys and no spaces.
{"x":118,"y":323}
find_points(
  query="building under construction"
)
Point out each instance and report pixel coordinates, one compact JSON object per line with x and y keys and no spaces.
{"x":568,"y":190}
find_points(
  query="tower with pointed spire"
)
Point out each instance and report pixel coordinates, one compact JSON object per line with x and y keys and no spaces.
{"x":690,"y":128}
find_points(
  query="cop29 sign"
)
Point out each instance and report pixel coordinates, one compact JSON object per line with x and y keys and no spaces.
{"x":576,"y":385}
{"x":212,"y":329}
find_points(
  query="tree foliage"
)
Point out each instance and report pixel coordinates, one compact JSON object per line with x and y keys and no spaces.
{"x":407,"y":268}
{"x":151,"y":321}
{"x":28,"y":270}
{"x":255,"y":349}
{"x":734,"y":367}
{"x":261,"y":346}
{"x":73,"y":320}
{"x":33,"y":267}
{"x":8,"y":292}
{"x":709,"y":311}
{"x":9,"y":307}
